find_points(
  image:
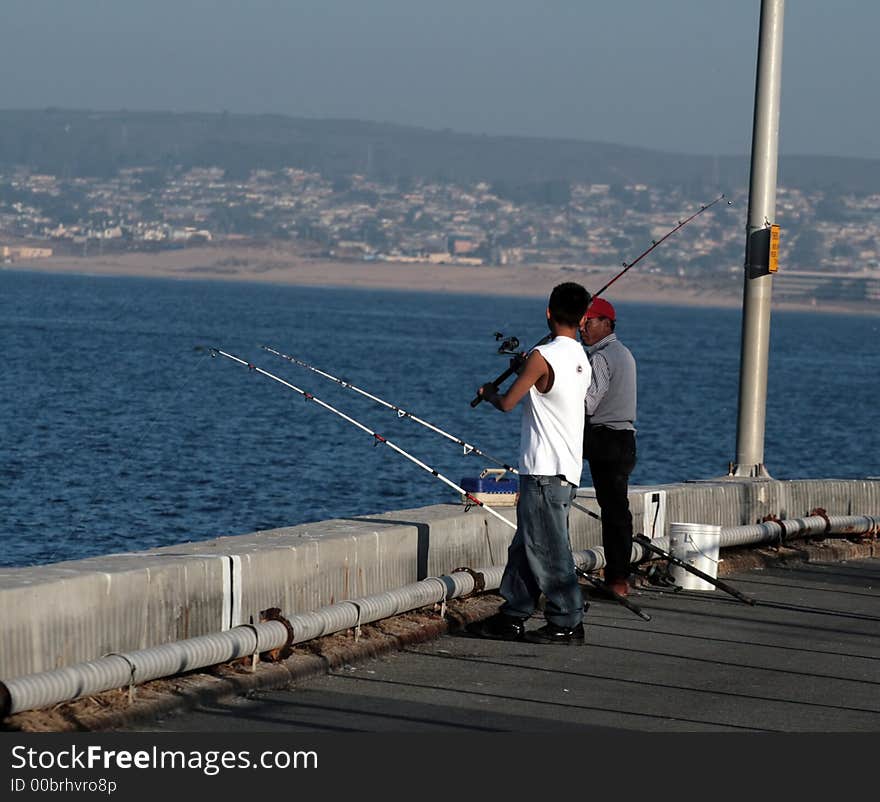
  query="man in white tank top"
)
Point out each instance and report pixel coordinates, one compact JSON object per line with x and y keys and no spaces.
{"x":552,"y":385}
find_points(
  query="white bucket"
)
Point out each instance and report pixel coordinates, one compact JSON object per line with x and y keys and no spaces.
{"x":697,"y":545}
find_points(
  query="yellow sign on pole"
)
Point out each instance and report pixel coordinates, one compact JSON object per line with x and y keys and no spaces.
{"x":774,"y":248}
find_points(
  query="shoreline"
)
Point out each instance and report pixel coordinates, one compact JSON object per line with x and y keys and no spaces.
{"x":276,"y":264}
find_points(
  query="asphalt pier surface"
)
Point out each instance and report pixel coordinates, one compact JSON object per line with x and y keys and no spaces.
{"x":805,"y":658}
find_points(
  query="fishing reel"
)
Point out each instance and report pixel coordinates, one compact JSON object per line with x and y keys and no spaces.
{"x":509,"y":346}
{"x":659,"y":576}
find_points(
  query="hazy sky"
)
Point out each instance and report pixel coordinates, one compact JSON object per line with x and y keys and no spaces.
{"x":675,"y":75}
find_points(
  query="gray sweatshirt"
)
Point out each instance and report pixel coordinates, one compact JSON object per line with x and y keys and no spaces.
{"x":611,"y":397}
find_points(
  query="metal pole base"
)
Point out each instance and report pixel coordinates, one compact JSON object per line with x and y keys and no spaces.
{"x":758,"y":471}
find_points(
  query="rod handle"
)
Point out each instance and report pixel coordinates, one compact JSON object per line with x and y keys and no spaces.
{"x":511,"y":370}
{"x":497,"y":382}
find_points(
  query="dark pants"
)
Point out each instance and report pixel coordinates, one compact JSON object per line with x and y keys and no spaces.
{"x":611,"y":454}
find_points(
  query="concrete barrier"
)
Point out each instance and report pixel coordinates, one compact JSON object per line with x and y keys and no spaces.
{"x":55,"y":615}
{"x":59,"y":614}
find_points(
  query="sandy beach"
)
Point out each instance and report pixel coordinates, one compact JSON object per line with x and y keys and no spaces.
{"x":281,"y":264}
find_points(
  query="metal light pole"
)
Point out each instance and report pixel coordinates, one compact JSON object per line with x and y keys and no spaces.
{"x":761,"y":240}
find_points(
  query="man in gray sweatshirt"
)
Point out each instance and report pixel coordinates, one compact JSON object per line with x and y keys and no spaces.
{"x":609,"y":436}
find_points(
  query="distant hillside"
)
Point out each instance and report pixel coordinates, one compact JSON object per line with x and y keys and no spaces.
{"x":79,"y":143}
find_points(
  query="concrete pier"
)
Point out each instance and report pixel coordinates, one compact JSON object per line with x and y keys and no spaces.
{"x":56,"y":615}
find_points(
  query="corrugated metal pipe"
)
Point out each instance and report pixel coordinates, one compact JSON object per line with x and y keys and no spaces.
{"x":132,"y":668}
{"x":780,"y":531}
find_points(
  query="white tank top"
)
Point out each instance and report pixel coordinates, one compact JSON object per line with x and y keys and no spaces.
{"x":552,"y":434}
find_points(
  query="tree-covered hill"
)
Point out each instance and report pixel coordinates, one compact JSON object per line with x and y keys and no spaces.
{"x":73,"y":143}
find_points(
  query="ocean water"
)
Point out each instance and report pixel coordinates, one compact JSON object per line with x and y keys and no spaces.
{"x":119,"y":431}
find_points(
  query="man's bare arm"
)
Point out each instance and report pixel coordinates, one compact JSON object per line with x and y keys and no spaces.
{"x":535,"y":372}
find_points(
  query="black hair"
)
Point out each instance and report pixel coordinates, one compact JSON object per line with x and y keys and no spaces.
{"x":568,"y":303}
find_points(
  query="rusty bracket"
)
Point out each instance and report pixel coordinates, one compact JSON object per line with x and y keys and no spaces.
{"x":255,"y":656}
{"x":821,"y":513}
{"x":132,"y":669}
{"x":775,"y":519}
{"x":357,"y":624}
{"x":284,"y":651}
{"x":479,"y":579}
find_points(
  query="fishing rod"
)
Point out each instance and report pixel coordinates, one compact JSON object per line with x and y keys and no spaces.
{"x":626,"y":266}
{"x":376,"y":436}
{"x":469,"y":448}
{"x":605,"y":589}
{"x":646,"y":544}
{"x":598,"y":583}
{"x":655,"y":243}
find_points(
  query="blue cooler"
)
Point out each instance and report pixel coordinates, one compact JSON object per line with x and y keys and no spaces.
{"x":491,"y":491}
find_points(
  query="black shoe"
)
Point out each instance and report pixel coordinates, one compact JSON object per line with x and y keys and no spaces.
{"x":552,"y":633}
{"x":499,"y":627}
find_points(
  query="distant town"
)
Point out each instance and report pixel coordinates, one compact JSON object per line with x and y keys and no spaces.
{"x":830,"y":244}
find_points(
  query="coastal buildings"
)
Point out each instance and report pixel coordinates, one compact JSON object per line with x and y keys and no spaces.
{"x":830,"y":242}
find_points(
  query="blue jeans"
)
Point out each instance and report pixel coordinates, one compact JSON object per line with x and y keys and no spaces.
{"x":539,"y":558}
